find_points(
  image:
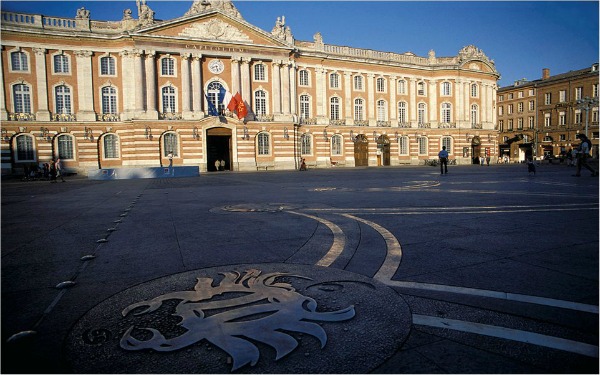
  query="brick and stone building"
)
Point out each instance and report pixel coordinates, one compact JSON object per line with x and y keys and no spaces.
{"x":541,"y":118}
{"x":119,"y":94}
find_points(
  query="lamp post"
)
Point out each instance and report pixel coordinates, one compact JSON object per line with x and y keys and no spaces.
{"x":586,"y":104}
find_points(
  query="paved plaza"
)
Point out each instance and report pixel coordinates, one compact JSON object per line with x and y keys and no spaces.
{"x":341,"y":270}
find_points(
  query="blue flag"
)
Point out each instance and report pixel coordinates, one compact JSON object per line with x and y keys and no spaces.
{"x":212,"y":111}
{"x":222,"y":92}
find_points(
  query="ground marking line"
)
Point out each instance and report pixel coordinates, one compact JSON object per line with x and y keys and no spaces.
{"x":582,"y":205}
{"x":394,"y":250}
{"x":509,"y":334}
{"x":339,"y":240}
{"x":495,"y":294}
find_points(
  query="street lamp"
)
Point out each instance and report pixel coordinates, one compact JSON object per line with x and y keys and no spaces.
{"x":586,"y":104}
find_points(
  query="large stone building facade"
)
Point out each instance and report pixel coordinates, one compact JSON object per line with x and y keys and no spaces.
{"x":118,"y":94}
{"x":542,"y":118}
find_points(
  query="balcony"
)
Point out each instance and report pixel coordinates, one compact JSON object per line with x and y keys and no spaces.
{"x":64,"y":117}
{"x":109,"y":117}
{"x":265,"y":118}
{"x":170,"y":116}
{"x":337,"y":122}
{"x":21,"y":117}
{"x":403,"y":124}
{"x":385,"y":124}
{"x":424,"y":125}
{"x":447,"y":125}
{"x":308,"y":121}
{"x":361,"y":122}
{"x":476,"y":126}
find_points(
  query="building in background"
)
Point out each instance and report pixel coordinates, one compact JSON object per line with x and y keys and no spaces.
{"x":541,"y":118}
{"x":103,"y":94}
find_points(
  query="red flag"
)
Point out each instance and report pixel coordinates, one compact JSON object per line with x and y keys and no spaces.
{"x":242,"y":110}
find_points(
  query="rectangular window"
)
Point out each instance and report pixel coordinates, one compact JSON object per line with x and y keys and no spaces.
{"x":358,"y":83}
{"x":336,"y":145}
{"x":531,"y":122}
{"x":531,"y":105}
{"x":168,"y":67}
{"x":19,"y":61}
{"x":65,"y":147}
{"x":520,"y":123}
{"x":107,"y":66}
{"x":403,"y":145}
{"x":259,"y":72}
{"x":547,"y":120}
{"x":510,"y":125}
{"x":422,"y":146}
{"x":548,"y":98}
{"x":520,"y":107}
{"x":562,"y":96}
{"x":562,"y":118}
{"x":61,"y":64}
{"x":578,"y":93}
{"x":334,"y":81}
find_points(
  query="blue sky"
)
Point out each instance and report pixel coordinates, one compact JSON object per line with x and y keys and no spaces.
{"x":522,"y":37}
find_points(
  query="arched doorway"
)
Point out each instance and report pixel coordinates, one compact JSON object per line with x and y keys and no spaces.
{"x":361,"y":151}
{"x":476,"y":150}
{"x":218,"y":147}
{"x":383,"y":150}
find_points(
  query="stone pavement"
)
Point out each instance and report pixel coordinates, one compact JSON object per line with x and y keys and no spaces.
{"x":364,"y":270}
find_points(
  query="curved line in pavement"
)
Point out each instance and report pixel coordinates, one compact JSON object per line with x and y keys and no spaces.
{"x":339,"y":240}
{"x":394,"y":250}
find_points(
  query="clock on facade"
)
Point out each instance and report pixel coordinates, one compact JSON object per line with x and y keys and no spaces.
{"x":216,"y":66}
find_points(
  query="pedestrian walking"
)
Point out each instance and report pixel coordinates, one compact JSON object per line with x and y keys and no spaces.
{"x":443,"y":155}
{"x":583,"y":153}
{"x":59,"y":170}
{"x":217,"y":164}
{"x":170,"y":157}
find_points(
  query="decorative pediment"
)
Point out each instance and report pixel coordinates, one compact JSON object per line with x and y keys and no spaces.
{"x":215,"y":29}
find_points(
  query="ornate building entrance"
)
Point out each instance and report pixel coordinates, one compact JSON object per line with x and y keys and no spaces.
{"x":476,"y":150}
{"x":383,"y":150}
{"x":218,"y":147}
{"x":361,"y":151}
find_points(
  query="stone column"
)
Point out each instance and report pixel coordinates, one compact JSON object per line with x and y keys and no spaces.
{"x":293,"y":92}
{"x":128,"y":90}
{"x":185,"y":85}
{"x":245,"y":73}
{"x":393,"y":104}
{"x":235,"y":75}
{"x":151,"y":112}
{"x":348,"y":105}
{"x":85,"y":89}
{"x":138,"y":87}
{"x":3,"y":112}
{"x":467,"y":96}
{"x":371,"y":107}
{"x":285,"y":88}
{"x":433,"y":102}
{"x":321,"y":89}
{"x":459,"y":98}
{"x":276,"y":87}
{"x":412,"y":89}
{"x":42,"y":114}
{"x":197,"y":84}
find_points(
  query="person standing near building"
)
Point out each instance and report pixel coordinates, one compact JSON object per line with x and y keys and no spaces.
{"x":170,"y":157}
{"x":443,"y":155}
{"x":583,"y":153}
{"x":59,"y":170}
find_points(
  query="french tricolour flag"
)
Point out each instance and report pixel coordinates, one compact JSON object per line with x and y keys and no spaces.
{"x":227,"y":100}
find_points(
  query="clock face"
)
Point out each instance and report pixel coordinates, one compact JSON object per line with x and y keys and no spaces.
{"x":216,"y":66}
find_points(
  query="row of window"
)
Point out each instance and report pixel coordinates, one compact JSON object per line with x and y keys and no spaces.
{"x":25,"y":151}
{"x":63,"y":102}
{"x":61,"y":65}
{"x":562,"y":120}
{"x":562,"y":95}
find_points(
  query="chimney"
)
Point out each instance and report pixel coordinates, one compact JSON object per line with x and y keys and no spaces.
{"x":545,"y":73}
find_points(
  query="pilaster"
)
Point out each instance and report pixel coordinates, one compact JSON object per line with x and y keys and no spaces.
{"x":42,"y":114}
{"x":197,"y":85}
{"x":185,"y":86}
{"x":151,"y":112}
{"x":3,"y":111}
{"x":85,"y":89}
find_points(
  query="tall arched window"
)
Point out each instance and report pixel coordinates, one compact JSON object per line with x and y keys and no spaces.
{"x":168,"y":99}
{"x":262,"y":141}
{"x":170,"y":144}
{"x":474,"y":114}
{"x":212,"y":92}
{"x":422,"y":146}
{"x":447,"y":141}
{"x":474,"y":90}
{"x":381,"y":110}
{"x":111,"y":146}
{"x":336,"y":144}
{"x":446,"y":112}
{"x":402,"y":118}
{"x":25,"y":151}
{"x":22,"y":98}
{"x":421,"y":113}
{"x":260,"y":102}
{"x":304,"y":106}
{"x":359,"y":111}
{"x":403,"y":145}
{"x":305,"y":144}
{"x":62,"y":96}
{"x":65,"y":146}
{"x":109,"y":100}
{"x":334,"y":105}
